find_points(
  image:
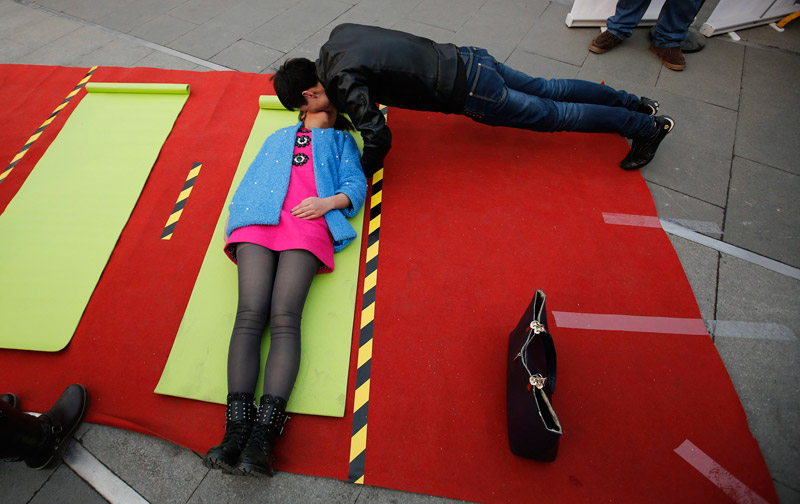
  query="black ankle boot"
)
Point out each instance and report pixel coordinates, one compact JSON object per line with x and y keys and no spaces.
{"x":239,"y":417}
{"x":257,"y":457}
{"x":11,"y":399}
{"x":58,"y":424}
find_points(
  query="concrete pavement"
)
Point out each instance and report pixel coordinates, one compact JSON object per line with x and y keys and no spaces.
{"x":729,"y":172}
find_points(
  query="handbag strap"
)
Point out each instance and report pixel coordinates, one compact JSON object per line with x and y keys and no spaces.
{"x":538,"y":329}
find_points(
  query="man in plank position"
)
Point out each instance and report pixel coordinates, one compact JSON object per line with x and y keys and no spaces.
{"x":360,"y":66}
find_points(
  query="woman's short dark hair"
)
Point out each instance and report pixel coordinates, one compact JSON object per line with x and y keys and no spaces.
{"x":292,"y":78}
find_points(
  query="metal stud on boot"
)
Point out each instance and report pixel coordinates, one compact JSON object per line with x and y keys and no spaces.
{"x":240,"y":415}
{"x":257,"y":457}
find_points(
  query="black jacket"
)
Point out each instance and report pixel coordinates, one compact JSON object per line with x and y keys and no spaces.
{"x":361,"y":66}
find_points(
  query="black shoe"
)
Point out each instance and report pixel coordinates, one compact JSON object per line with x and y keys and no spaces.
{"x":59,"y":422}
{"x":11,"y":399}
{"x":240,"y":415}
{"x":258,"y":456}
{"x":643,"y":150}
{"x":647,"y":106}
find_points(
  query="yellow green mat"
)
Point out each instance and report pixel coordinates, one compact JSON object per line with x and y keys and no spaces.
{"x":60,"y":228}
{"x":197,"y":364}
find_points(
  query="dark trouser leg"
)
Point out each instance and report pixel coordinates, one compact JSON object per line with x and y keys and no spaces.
{"x":20,"y":434}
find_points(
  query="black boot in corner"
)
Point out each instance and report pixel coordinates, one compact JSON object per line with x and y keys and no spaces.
{"x":257,"y":457}
{"x":239,"y":417}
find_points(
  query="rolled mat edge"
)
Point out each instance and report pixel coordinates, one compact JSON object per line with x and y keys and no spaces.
{"x":136,"y":87}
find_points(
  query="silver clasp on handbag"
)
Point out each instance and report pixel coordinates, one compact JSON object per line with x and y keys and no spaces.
{"x":537,"y":327}
{"x":537,"y":381}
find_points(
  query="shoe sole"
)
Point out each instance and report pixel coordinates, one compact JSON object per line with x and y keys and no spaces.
{"x":666,"y":63}
{"x":597,"y":50}
{"x":251,"y":470}
{"x":58,"y":452}
{"x":215,"y":463}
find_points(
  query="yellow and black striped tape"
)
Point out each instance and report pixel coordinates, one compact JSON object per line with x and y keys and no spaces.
{"x":169,"y":228}
{"x":45,"y":124}
{"x":358,"y":440}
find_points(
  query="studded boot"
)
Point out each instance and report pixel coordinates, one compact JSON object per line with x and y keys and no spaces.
{"x":257,"y":457}
{"x":239,"y":417}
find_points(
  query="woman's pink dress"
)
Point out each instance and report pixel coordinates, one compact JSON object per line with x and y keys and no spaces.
{"x":292,"y":232}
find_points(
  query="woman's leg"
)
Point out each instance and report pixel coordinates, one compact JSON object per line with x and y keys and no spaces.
{"x":295,"y":272}
{"x":257,"y":267}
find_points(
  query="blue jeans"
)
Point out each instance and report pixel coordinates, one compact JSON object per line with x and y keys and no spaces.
{"x":501,"y":96}
{"x":671,"y":27}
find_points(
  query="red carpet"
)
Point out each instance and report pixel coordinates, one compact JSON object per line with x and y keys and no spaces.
{"x":474,"y":219}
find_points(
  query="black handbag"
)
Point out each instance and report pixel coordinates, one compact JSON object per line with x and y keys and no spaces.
{"x":533,"y":427}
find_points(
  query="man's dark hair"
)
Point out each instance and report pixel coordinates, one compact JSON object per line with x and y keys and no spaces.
{"x":292,"y":78}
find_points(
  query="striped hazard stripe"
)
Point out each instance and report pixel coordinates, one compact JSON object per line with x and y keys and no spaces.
{"x":358,"y":441}
{"x":177,"y":210}
{"x":45,"y":124}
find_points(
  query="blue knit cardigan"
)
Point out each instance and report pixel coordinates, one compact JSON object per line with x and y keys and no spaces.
{"x":337,"y":169}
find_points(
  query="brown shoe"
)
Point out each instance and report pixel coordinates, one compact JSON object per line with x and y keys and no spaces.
{"x":671,"y":57}
{"x":604,"y":42}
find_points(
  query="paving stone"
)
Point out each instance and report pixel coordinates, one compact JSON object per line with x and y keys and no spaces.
{"x":552,"y":38}
{"x":118,"y":52}
{"x":283,"y":487}
{"x":159,"y":470}
{"x":788,"y":39}
{"x":447,"y":14}
{"x":10,"y":51}
{"x":245,"y":16}
{"x":764,"y":211}
{"x":200,"y":11}
{"x":247,"y":56}
{"x":384,"y":13}
{"x":499,"y":26}
{"x":66,"y":487}
{"x":282,"y":33}
{"x":680,"y":207}
{"x":539,"y":66}
{"x":89,"y":10}
{"x":163,"y":29}
{"x":158,"y":59}
{"x":694,"y":159}
{"x":375,"y":495}
{"x":767,"y":130}
{"x":43,"y":31}
{"x":786,"y":494}
{"x":629,"y":66}
{"x":309,"y":49}
{"x":712,"y":75}
{"x":67,"y":50}
{"x":15,"y":17}
{"x":19,"y":483}
{"x":204,"y":42}
{"x":424,"y":30}
{"x":764,"y":372}
{"x":700,"y":265}
{"x":131,"y":15}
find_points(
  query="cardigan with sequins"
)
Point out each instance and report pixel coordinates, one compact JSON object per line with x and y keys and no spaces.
{"x":337,"y":169}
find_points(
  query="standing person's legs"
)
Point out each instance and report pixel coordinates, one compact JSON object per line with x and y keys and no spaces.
{"x":673,"y":22}
{"x":626,"y":17}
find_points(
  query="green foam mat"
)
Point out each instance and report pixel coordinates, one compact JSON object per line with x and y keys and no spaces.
{"x":197,"y":364}
{"x":59,"y":230}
